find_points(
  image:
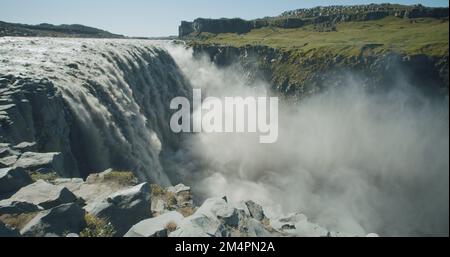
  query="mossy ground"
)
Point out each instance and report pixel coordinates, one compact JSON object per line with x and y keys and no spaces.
{"x":123,"y":178}
{"x":97,"y":227}
{"x":406,"y":36}
{"x":17,"y":221}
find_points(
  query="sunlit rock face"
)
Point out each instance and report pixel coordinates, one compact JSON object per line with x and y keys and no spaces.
{"x":101,"y":103}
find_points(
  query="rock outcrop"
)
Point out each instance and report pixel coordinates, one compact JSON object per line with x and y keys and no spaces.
{"x":12,"y":179}
{"x":156,"y":227}
{"x":314,"y":73}
{"x":125,"y":208}
{"x":60,"y":220}
{"x":42,"y":194}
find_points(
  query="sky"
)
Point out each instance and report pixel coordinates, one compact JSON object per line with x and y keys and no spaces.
{"x":157,"y":17}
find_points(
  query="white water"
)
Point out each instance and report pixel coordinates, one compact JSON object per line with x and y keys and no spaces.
{"x":119,"y":95}
{"x":354,"y":162}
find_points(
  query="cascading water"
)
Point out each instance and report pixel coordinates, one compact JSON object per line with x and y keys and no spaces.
{"x":114,"y":107}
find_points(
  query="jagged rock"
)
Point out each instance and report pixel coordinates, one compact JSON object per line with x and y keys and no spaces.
{"x":205,"y":221}
{"x":66,"y":218}
{"x":125,"y":208}
{"x":254,"y":228}
{"x":96,"y":178}
{"x":256,"y":211}
{"x":25,"y":146}
{"x":18,"y":207}
{"x":5,"y":150}
{"x":178,"y":188}
{"x":199,"y":225}
{"x":230,"y":216}
{"x":8,"y":161}
{"x":5,"y":231}
{"x":42,"y":194}
{"x":12,"y":179}
{"x":155,"y":227}
{"x":35,"y":161}
{"x":94,"y":190}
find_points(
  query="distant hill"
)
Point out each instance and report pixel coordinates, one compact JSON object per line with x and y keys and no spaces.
{"x":324,"y":17}
{"x":49,"y":30}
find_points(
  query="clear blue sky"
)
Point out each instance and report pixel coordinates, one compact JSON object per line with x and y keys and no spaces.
{"x":156,"y":17}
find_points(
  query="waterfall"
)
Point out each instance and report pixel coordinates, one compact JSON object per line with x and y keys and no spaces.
{"x":115,"y":96}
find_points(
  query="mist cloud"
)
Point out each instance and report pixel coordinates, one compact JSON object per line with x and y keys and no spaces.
{"x":352,"y":161}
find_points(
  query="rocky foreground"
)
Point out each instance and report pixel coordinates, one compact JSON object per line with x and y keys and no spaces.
{"x":113,"y":203}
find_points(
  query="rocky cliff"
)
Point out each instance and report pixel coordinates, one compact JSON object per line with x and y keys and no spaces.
{"x":325,"y":16}
{"x":301,"y":75}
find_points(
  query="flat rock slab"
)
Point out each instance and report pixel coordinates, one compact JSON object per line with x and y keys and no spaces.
{"x":155,"y":227}
{"x":42,"y":194}
{"x":35,"y":161}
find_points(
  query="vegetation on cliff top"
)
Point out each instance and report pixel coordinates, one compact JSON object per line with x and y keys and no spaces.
{"x":402,"y":35}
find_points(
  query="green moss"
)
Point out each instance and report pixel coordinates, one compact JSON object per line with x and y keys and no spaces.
{"x":17,"y":221}
{"x":159,"y":192}
{"x":48,"y":176}
{"x":97,"y":227}
{"x":406,"y":36}
{"x":124,"y":178}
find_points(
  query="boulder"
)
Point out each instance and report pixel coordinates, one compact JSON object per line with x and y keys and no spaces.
{"x":125,"y":208}
{"x":208,"y":220}
{"x":199,"y":225}
{"x":12,"y":179}
{"x":18,"y":207}
{"x":43,"y":194}
{"x":155,"y":227}
{"x":66,"y":218}
{"x":94,"y":190}
{"x":256,"y":211}
{"x":8,"y":161}
{"x":6,"y":231}
{"x":36,"y":161}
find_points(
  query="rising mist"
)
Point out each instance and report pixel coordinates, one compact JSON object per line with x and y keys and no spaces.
{"x":352,"y":161}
